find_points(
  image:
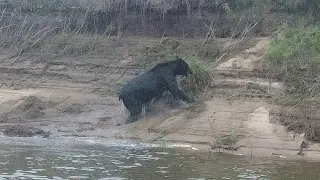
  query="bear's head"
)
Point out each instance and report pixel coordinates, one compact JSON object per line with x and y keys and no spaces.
{"x":182,"y":68}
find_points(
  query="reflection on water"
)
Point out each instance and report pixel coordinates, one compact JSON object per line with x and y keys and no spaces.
{"x":36,"y":158}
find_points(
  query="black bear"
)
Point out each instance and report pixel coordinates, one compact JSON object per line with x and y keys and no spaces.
{"x":152,"y":84}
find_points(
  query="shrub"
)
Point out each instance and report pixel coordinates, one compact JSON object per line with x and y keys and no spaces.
{"x":199,"y":80}
{"x":294,"y":55}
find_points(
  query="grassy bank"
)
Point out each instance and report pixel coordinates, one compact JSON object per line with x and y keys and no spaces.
{"x":294,"y":56}
{"x":25,"y":24}
{"x":21,"y":20}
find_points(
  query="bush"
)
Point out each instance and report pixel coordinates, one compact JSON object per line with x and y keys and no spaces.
{"x":294,"y":55}
{"x":301,"y":7}
{"x":200,"y":78}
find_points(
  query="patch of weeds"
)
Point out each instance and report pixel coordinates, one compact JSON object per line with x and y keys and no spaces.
{"x":58,"y":45}
{"x":312,"y":132}
{"x":210,"y":51}
{"x":200,"y":79}
{"x":168,"y":45}
{"x":73,"y":45}
{"x":310,"y":128}
{"x":294,"y":56}
{"x":302,"y":121}
{"x":73,"y":108}
{"x":149,"y":55}
{"x":112,"y":91}
{"x":227,"y":140}
{"x":164,"y":50}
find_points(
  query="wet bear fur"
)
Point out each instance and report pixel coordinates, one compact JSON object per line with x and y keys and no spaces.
{"x":150,"y":85}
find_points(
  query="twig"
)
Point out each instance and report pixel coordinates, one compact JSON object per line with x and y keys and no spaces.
{"x":214,"y":26}
{"x":211,"y":125}
{"x":84,"y":21}
{"x":36,"y":41}
{"x":250,"y":29}
{"x":4,"y":10}
{"x":26,"y":38}
{"x":24,"y":22}
{"x":41,"y":31}
{"x":233,"y":33}
{"x":205,"y":89}
{"x":43,"y":36}
{"x":210,"y":31}
{"x":9,"y":25}
{"x":201,"y":2}
{"x":246,"y":24}
{"x":162,"y":37}
{"x":251,"y":153}
{"x":238,"y":42}
{"x":68,"y":24}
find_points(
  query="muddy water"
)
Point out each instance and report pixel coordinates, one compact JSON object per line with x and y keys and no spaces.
{"x":84,"y":158}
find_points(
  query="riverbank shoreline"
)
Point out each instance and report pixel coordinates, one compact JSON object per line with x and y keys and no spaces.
{"x":236,"y":112}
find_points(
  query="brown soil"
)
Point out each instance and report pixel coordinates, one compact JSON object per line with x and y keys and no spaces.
{"x":78,"y":97}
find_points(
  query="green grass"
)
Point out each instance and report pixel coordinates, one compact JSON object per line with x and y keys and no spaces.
{"x":197,"y":82}
{"x":294,"y":56}
{"x":228,"y":139}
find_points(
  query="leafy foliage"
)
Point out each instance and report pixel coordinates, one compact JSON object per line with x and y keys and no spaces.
{"x":295,"y":55}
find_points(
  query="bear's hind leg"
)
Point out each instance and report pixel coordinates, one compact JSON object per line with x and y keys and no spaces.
{"x":144,"y":113}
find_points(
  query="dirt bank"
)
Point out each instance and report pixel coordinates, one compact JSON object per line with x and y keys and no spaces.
{"x":77,"y":97}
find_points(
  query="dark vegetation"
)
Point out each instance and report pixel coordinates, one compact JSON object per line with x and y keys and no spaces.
{"x":26,"y":23}
{"x":76,"y":27}
{"x":294,"y":56}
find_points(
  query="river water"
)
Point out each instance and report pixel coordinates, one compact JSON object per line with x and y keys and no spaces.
{"x":90,"y":158}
